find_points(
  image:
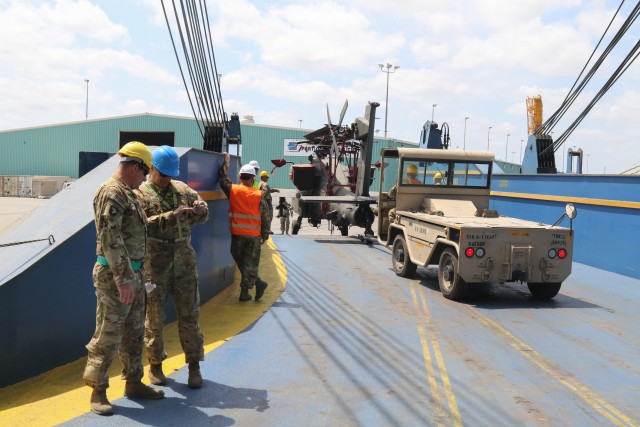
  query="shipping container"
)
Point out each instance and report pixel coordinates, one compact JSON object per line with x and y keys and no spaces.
{"x":10,"y":186}
{"x":44,"y":188}
{"x":25,"y":186}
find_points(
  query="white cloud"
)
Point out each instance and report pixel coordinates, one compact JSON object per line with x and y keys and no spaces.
{"x":323,"y":37}
{"x":285,"y":60}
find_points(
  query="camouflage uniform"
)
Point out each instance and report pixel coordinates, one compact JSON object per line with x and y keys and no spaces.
{"x":266,"y":192}
{"x":171,"y":265}
{"x":245,"y":250}
{"x":121,"y":242}
{"x":284,"y":212}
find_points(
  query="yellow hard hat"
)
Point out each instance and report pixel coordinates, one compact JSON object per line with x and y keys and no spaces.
{"x":264,"y":173}
{"x":137,"y":150}
{"x":412,"y":168}
{"x":437,"y":175}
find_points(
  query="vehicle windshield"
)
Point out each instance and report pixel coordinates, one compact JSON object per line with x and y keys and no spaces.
{"x":448,"y":173}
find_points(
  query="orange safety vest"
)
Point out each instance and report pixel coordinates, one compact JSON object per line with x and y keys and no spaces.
{"x":414,"y":181}
{"x":244,"y":210}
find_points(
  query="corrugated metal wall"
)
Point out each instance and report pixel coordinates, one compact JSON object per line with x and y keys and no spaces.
{"x":54,"y":150}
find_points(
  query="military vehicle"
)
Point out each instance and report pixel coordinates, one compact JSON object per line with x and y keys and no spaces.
{"x":434,"y":209}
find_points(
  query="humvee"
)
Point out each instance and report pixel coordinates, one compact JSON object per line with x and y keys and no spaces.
{"x":433,"y":209}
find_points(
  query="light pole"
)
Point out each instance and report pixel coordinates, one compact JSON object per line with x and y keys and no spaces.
{"x":300,"y":120}
{"x":488,"y":133}
{"x":389,"y":69}
{"x":506,"y":149}
{"x":433,"y":109}
{"x":513,"y":153}
{"x":464,"y":139}
{"x":86,"y":108}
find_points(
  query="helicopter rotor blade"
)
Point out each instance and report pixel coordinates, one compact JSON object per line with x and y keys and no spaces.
{"x":344,"y":110}
{"x":334,"y":146}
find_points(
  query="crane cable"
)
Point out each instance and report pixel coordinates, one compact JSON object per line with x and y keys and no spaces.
{"x":180,"y":67}
{"x":629,"y":59}
{"x":628,"y":171}
{"x":549,"y":124}
{"x":199,"y":59}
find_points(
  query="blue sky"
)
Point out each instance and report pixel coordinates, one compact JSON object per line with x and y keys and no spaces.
{"x":283,"y":61}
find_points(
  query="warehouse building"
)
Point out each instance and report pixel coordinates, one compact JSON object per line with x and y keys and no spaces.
{"x":71,"y":149}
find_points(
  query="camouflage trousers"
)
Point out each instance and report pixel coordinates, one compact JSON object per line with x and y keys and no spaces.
{"x":119,"y":328}
{"x":173,"y":270}
{"x":245,"y":251}
{"x":270,"y":218}
{"x":284,"y":224}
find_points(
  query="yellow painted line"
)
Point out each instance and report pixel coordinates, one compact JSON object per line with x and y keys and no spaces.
{"x":60,"y":394}
{"x":426,"y":354}
{"x":424,"y":326}
{"x":582,"y":391}
{"x":451,"y":398}
{"x":569,"y":199}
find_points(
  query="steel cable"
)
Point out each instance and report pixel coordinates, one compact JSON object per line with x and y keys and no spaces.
{"x":50,"y":239}
{"x":180,"y":67}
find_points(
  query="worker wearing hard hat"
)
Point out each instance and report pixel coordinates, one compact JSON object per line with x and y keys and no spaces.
{"x":412,"y":173}
{"x":172,"y":208}
{"x":437,"y":178}
{"x":256,"y":167}
{"x":249,"y":224}
{"x":121,"y":227}
{"x":267,"y":190}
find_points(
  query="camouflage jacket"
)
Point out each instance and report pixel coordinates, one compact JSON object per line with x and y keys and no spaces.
{"x":266,"y":192}
{"x":121,"y":228}
{"x":225,"y":185}
{"x":159,"y":204}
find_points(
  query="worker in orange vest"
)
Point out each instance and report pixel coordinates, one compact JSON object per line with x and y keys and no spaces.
{"x":249,"y":224}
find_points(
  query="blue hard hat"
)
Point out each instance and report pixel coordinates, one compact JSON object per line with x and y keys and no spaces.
{"x":166,"y":161}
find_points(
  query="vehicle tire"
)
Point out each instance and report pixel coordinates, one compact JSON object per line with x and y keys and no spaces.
{"x":344,"y":231}
{"x":544,"y":290}
{"x":296,"y":227}
{"x":451,"y":284}
{"x":400,"y":260}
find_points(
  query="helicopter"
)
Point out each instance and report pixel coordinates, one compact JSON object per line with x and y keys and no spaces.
{"x":335,"y":184}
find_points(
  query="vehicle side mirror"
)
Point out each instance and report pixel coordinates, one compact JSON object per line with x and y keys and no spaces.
{"x":570,"y":212}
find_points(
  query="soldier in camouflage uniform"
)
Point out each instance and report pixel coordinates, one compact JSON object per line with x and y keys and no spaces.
{"x":172,"y":208}
{"x":285,"y":210}
{"x":267,"y":190}
{"x":118,"y":279}
{"x":248,"y":220}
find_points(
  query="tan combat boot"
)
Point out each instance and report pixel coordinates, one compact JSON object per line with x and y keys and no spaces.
{"x":99,"y":402}
{"x":143,"y":391}
{"x":156,"y":376}
{"x":195,"y":378}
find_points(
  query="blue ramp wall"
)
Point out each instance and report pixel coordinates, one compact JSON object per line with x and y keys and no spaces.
{"x":608,"y":213}
{"x":47,"y":298}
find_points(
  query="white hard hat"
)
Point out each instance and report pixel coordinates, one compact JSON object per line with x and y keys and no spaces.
{"x":254,"y":164}
{"x":248,"y":169}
